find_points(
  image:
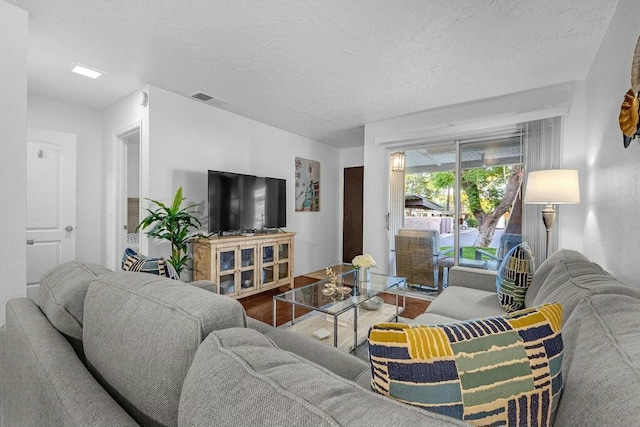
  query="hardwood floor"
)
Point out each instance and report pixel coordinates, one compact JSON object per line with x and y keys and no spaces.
{"x":260,"y":306}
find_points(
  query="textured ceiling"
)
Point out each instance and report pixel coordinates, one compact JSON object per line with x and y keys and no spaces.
{"x":320,"y":69}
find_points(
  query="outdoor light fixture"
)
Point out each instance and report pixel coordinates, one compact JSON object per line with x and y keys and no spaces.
{"x":397,"y":161}
{"x":549,"y":187}
{"x":83,"y":70}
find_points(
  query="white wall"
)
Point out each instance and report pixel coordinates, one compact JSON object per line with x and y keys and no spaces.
{"x":13,"y":171}
{"x":611,"y":196}
{"x":570,"y":221}
{"x":119,"y":118}
{"x":86,"y":124}
{"x":187,"y":138}
{"x":133,"y":167}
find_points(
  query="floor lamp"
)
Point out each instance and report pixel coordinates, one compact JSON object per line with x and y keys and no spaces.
{"x":549,"y":187}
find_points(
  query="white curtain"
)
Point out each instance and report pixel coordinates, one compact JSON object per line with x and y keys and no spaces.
{"x":542,"y":145}
{"x":396,"y":213}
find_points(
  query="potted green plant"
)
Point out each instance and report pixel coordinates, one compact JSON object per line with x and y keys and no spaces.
{"x":172,"y":223}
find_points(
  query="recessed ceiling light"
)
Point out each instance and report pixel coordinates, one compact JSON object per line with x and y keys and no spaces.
{"x":83,"y":70}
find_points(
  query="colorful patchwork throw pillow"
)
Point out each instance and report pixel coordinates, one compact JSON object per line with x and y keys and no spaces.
{"x":514,"y":277}
{"x":493,"y":371}
{"x":133,"y":261}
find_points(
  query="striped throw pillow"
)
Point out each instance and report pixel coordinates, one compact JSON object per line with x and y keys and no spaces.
{"x":134,"y":261}
{"x":493,"y":371}
{"x":514,"y":277}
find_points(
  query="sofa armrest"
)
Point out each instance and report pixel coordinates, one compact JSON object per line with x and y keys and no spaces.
{"x":207,"y":285}
{"x":475,"y":278}
{"x":44,"y":382}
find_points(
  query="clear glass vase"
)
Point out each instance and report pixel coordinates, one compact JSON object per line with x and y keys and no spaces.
{"x":364,"y":274}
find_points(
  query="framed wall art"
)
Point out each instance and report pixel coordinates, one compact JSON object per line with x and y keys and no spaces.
{"x":307,"y":185}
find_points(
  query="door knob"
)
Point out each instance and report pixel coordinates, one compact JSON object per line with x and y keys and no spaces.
{"x":68,"y":228}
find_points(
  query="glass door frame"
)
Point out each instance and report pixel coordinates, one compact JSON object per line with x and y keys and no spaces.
{"x":457,"y":144}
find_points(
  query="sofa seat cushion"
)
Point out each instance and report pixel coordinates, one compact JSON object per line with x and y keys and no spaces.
{"x":601,"y":364}
{"x":492,"y":371}
{"x":62,"y":293}
{"x":514,"y":277}
{"x":240,"y":378}
{"x":431,"y":319}
{"x":571,"y":279}
{"x":462,"y":303}
{"x":543,"y":271}
{"x":141,"y":333}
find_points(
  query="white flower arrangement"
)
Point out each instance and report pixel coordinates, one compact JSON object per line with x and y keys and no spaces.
{"x":363,"y":261}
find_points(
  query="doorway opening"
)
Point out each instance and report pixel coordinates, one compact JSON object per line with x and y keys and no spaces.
{"x":129,"y":192}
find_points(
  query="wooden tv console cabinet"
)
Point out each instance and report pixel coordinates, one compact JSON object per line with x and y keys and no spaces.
{"x":245,"y":265}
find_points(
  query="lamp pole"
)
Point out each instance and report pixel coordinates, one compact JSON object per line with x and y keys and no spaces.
{"x":548,"y":219}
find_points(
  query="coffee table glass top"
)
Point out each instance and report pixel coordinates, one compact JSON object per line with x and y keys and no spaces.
{"x":313,"y":296}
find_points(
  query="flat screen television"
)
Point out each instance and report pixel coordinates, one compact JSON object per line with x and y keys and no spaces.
{"x":240,"y":202}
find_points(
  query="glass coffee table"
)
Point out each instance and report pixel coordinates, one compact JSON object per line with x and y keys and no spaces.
{"x":344,"y":318}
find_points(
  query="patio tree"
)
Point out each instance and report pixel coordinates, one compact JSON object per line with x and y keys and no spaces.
{"x":418,"y":184}
{"x":489,"y":194}
{"x":444,"y":181}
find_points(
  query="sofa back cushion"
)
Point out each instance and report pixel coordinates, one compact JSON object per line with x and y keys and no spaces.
{"x":62,"y":293}
{"x":543,"y":271}
{"x":141,"y":332}
{"x":571,"y":279}
{"x":240,"y":378}
{"x":601,"y":365}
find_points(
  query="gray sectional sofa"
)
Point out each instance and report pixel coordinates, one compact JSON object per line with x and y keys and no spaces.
{"x":120,"y":349}
{"x":601,"y":332}
{"x":131,"y":348}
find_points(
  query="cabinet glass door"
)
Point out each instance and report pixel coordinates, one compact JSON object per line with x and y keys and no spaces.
{"x":227,"y":259}
{"x":283,"y":270}
{"x":283,"y":251}
{"x":247,"y":268}
{"x":227,"y":271}
{"x":227,"y":284}
{"x":268,"y":264}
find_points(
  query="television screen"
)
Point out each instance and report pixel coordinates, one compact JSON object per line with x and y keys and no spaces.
{"x":240,"y":202}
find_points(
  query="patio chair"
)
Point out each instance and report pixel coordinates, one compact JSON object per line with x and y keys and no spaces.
{"x":417,"y":257}
{"x":507,"y":242}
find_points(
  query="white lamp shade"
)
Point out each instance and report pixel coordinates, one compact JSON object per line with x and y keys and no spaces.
{"x":556,"y":186}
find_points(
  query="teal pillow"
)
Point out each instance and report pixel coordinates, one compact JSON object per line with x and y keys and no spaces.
{"x":514,"y":277}
{"x":503,"y":370}
{"x":134,"y":261}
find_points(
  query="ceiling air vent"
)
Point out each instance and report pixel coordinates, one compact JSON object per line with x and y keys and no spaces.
{"x":208,"y":99}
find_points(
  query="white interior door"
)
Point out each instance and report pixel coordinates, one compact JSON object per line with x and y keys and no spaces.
{"x":51,"y":203}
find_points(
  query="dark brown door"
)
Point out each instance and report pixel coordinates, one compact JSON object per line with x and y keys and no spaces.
{"x":352,"y":216}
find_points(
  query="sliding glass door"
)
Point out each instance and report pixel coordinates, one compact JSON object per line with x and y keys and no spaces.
{"x":468,"y":191}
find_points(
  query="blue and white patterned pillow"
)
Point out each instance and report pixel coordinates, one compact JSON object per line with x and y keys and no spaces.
{"x":134,"y":261}
{"x":514,"y":277}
